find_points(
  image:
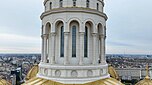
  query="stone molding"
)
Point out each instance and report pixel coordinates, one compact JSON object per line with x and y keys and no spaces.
{"x":45,"y":1}
{"x":74,"y":81}
{"x":47,"y":65}
{"x":74,"y":9}
{"x":71,"y":74}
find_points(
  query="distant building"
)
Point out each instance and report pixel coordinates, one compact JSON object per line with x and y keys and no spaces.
{"x":132,"y":73}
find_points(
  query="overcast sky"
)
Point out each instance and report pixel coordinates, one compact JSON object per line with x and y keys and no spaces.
{"x":129,"y":27}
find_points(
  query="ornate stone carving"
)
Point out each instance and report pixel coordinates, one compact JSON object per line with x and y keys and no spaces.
{"x":101,"y":71}
{"x":74,"y":73}
{"x":45,"y":71}
{"x":89,"y":73}
{"x":57,"y":73}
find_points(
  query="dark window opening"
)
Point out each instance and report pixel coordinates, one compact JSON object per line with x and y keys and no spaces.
{"x":97,"y":6}
{"x":74,"y":2}
{"x":61,"y":3}
{"x":86,"y":42}
{"x":87,"y":3}
{"x":74,"y":41}
{"x":62,"y":43}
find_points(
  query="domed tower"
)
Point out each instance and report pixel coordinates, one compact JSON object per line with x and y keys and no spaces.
{"x":146,"y":80}
{"x":73,"y":41}
{"x":73,"y":44}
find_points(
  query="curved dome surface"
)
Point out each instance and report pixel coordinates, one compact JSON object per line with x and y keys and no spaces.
{"x":4,"y":82}
{"x":32,"y":73}
{"x":113,"y":72}
{"x":146,"y":80}
{"x":40,"y":81}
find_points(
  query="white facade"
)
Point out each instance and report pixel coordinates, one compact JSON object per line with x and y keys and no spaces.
{"x":133,"y":73}
{"x":73,"y":41}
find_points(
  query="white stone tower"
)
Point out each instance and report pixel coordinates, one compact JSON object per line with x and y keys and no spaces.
{"x":73,"y":41}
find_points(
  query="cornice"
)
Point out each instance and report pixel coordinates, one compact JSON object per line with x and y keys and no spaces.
{"x":102,"y":2}
{"x":45,"y":1}
{"x":98,"y":0}
{"x":74,"y":9}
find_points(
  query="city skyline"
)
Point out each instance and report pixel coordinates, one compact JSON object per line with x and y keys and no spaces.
{"x":128,"y":27}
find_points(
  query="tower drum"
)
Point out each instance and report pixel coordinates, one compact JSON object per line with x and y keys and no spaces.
{"x":73,"y":41}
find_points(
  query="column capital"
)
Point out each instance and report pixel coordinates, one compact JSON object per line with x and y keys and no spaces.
{"x":44,"y":35}
{"x":66,"y":33}
{"x":94,"y":34}
{"x":53,"y":34}
{"x":81,"y":33}
{"x":102,"y":36}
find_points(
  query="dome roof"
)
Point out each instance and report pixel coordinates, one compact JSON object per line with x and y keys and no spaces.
{"x":40,"y":81}
{"x":32,"y":73}
{"x":147,"y":80}
{"x":113,"y":72}
{"x":4,"y":82}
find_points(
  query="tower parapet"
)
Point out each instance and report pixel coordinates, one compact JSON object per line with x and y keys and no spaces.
{"x":88,"y":4}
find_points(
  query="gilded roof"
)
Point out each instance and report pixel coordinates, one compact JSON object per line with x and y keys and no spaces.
{"x":113,"y":73}
{"x":147,"y":80}
{"x":32,"y":73}
{"x":4,"y":82}
{"x":40,"y":81}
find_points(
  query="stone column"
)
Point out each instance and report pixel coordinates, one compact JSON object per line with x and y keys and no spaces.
{"x":66,"y":48}
{"x":42,"y":49}
{"x":49,"y":47}
{"x":81,"y":48}
{"x":45,"y":48}
{"x":102,"y":49}
{"x":94,"y":61}
{"x":52,"y":47}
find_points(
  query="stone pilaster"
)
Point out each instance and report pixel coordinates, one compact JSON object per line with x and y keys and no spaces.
{"x":81,"y":48}
{"x":52,"y":59}
{"x":94,"y":60}
{"x":66,"y":48}
{"x":42,"y":49}
{"x":45,"y":36}
{"x":102,"y":49}
{"x":49,"y":47}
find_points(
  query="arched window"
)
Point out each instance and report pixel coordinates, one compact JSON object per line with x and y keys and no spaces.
{"x":87,"y":3}
{"x":99,"y":44}
{"x":73,"y":41}
{"x":50,"y":5}
{"x":105,"y":31}
{"x":86,"y":42}
{"x":74,"y":2}
{"x":62,"y":42}
{"x":97,"y":6}
{"x":61,"y":3}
